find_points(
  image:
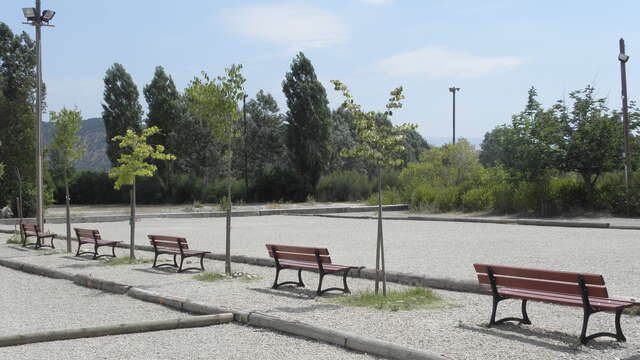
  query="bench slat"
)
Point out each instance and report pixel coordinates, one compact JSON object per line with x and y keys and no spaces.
{"x":165,"y":241}
{"x":298,"y":249}
{"x":564,"y":276}
{"x":543,"y":285}
{"x":301,"y":257}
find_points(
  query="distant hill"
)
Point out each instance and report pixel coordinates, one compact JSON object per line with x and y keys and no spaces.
{"x":439,"y":141}
{"x":93,"y":137}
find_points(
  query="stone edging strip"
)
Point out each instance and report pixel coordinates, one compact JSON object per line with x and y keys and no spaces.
{"x":533,"y":222}
{"x":118,"y":329}
{"x":239,"y":213}
{"x":318,"y":333}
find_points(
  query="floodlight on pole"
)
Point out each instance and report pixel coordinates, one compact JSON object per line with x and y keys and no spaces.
{"x":36,"y":18}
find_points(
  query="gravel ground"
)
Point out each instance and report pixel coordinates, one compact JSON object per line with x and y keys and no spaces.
{"x":434,"y":249}
{"x":457,"y":330}
{"x":227,"y":341}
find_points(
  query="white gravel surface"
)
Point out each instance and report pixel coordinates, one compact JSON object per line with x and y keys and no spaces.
{"x":434,"y":249}
{"x":457,"y":330}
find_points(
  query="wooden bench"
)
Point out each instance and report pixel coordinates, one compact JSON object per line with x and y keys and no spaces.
{"x":557,"y":287}
{"x":173,"y":245}
{"x":306,"y":258}
{"x":33,"y":230}
{"x":92,"y":237}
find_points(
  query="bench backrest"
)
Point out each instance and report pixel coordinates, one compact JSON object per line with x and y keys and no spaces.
{"x":164,"y":241}
{"x":87,"y":234}
{"x":299,"y":253}
{"x":30,"y":229}
{"x":542,"y":280}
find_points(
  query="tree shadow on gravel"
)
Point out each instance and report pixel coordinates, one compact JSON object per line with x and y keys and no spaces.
{"x":632,"y":357}
{"x":294,"y":292}
{"x":524,"y":335}
{"x":304,"y":309}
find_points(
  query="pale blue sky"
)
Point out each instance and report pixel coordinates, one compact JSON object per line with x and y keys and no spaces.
{"x":493,"y":50}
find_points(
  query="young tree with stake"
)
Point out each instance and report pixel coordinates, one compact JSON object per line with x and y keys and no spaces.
{"x":215,"y":101}
{"x":135,"y":151}
{"x":66,"y":150}
{"x":377,"y":142}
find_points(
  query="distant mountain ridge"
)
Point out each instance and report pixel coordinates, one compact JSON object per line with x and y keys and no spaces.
{"x":93,"y":137}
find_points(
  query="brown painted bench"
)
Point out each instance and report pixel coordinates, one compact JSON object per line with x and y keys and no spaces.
{"x":173,"y":245}
{"x":558,"y":287}
{"x":33,"y":230}
{"x":306,"y":258}
{"x":92,"y":237}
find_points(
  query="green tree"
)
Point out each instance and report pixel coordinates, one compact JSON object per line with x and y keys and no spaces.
{"x":265,"y":144}
{"x":165,"y":112}
{"x":308,"y":121}
{"x":121,"y":110}
{"x":17,"y":117}
{"x":378,"y":142}
{"x":66,"y":149}
{"x":132,"y":163}
{"x":216,"y":101}
{"x":591,"y":141}
{"x":492,"y":147}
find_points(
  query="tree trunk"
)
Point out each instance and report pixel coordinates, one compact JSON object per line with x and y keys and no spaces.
{"x":227,"y":256}
{"x":68,"y":210}
{"x":380,"y":246}
{"x":132,"y":221}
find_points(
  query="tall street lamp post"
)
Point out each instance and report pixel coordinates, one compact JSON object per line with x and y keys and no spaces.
{"x":453,"y":90}
{"x":625,"y":119}
{"x":38,"y":18}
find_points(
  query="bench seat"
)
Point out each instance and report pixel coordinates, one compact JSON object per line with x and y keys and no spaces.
{"x":306,"y":258}
{"x":92,"y":237}
{"x":174,"y":245}
{"x":33,"y":230}
{"x":583,"y":290}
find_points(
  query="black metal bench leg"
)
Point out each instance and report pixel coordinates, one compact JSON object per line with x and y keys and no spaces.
{"x":113,"y":250}
{"x":175,"y":263}
{"x":300,"y":283}
{"x":95,"y":251}
{"x":181,"y":261}
{"x":344,"y":282}
{"x":619,"y":335}
{"x":319,"y":292}
{"x":78,"y":252}
{"x":525,"y":316}
{"x":202,"y":262}
{"x":155,"y":258}
{"x":52,"y":246}
{"x":585,"y":324}
{"x":275,"y":282}
{"x":494,"y":309}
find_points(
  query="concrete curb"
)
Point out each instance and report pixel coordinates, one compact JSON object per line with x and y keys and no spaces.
{"x":335,"y":337}
{"x":533,"y":222}
{"x":213,"y":214}
{"x":119,"y":329}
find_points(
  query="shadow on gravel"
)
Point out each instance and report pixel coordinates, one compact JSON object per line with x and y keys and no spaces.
{"x":300,"y":310}
{"x":521,"y":334}
{"x":287,"y":291}
{"x":632,"y":357}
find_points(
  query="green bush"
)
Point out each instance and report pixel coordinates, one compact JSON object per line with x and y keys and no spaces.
{"x":343,"y":186}
{"x":389,"y":196}
{"x":569,"y":193}
{"x":477,"y":199}
{"x":422,"y":197}
{"x":214,"y":193}
{"x":448,"y":198}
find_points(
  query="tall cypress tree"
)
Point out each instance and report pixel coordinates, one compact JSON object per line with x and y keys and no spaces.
{"x":17,"y":117}
{"x":166,"y":113}
{"x":121,"y":109}
{"x":308,"y":121}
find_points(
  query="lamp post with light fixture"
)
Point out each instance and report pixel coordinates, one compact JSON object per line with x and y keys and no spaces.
{"x":38,"y":18}
{"x":454,"y":90}
{"x":623,"y":58}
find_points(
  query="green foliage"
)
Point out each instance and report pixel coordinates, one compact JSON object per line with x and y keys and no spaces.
{"x":390,"y":196}
{"x":1,"y":170}
{"x":343,"y":186}
{"x":121,"y":110}
{"x":66,"y":147}
{"x":308,"y":121}
{"x":217,"y":191}
{"x":17,"y":117}
{"x":477,"y":199}
{"x":214,"y":277}
{"x":209,"y":277}
{"x":399,"y":300}
{"x":134,"y":163}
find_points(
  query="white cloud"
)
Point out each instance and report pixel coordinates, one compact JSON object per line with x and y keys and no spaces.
{"x":294,"y":26}
{"x":377,"y":2}
{"x":439,"y":62}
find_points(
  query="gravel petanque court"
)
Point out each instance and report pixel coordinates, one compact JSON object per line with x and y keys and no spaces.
{"x":457,"y":330}
{"x":434,"y":249}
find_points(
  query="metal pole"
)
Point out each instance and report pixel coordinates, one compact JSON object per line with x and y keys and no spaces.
{"x":39,"y":174}
{"x":625,"y":119}
{"x":246,"y":176}
{"x":453,"y":91}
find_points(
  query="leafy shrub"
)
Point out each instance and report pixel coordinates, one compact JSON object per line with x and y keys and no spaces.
{"x":279,"y":184}
{"x":343,"y":186}
{"x":422,"y":197}
{"x":389,"y":196}
{"x":214,"y":193}
{"x":477,"y":199}
{"x":447,"y":198}
{"x":569,"y":193}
